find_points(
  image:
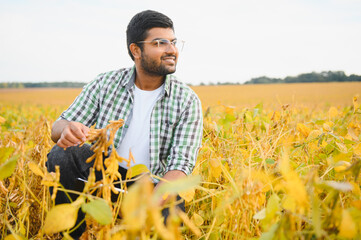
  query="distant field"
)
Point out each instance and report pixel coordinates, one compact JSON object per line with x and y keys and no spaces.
{"x":271,"y":95}
{"x":268,"y":172}
{"x":308,"y":94}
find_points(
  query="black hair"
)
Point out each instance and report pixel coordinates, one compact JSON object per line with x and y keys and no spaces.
{"x":139,"y":25}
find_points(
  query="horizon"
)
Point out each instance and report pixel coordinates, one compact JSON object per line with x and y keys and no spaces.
{"x":199,"y":84}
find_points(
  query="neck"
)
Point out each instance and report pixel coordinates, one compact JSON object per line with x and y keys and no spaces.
{"x":147,"y":82}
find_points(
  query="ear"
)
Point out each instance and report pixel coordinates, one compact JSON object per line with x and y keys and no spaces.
{"x":135,"y":50}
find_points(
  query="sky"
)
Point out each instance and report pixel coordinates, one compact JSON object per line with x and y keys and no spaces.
{"x":225,"y":41}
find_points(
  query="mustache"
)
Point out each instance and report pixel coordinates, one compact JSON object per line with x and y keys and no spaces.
{"x":170,"y":55}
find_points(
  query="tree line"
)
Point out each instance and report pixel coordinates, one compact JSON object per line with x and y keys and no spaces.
{"x":42,"y":84}
{"x":326,"y":76}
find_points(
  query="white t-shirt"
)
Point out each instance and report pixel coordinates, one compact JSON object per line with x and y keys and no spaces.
{"x":137,"y":137}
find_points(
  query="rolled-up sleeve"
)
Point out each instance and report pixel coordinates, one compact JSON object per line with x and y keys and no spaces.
{"x":85,"y":108}
{"x":187,"y":139}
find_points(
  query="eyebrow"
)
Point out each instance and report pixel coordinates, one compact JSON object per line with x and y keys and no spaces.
{"x":163,"y":38}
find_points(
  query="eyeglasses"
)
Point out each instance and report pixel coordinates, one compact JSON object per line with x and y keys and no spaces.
{"x":165,"y":44}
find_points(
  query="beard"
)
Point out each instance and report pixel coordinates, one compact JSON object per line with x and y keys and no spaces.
{"x":154,"y":68}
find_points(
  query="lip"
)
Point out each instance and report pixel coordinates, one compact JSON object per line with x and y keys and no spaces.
{"x":169,"y":59}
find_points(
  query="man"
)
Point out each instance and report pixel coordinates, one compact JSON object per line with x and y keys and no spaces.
{"x":163,"y":117}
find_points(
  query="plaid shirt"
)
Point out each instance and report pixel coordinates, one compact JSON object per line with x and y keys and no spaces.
{"x":176,"y":121}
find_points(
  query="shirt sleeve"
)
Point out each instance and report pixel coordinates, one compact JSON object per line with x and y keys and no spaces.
{"x":85,"y":108}
{"x":187,"y":139}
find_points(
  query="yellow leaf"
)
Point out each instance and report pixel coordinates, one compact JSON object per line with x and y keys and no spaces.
{"x":313,"y":135}
{"x":342,"y":166}
{"x":355,"y":104}
{"x":276,"y":116}
{"x":230,"y":110}
{"x":35,"y":169}
{"x":179,"y":185}
{"x":60,"y":218}
{"x":332,"y":112}
{"x":327,"y":126}
{"x":245,"y":154}
{"x":289,"y":203}
{"x":135,"y":204}
{"x":271,"y":210}
{"x":189,"y":223}
{"x":303,"y":129}
{"x":357,"y":149}
{"x":7,"y":169}
{"x":316,"y":216}
{"x":348,"y":227}
{"x":342,"y":147}
{"x":216,"y":169}
{"x":14,"y":237}
{"x":2,"y":120}
{"x":266,"y":188}
{"x":137,"y":170}
{"x":294,"y":186}
{"x":118,"y":236}
{"x":197,"y":219}
{"x":356,"y":189}
{"x":5,"y":153}
{"x":342,"y":157}
{"x":356,"y":204}
{"x":353,"y":131}
{"x":187,"y":195}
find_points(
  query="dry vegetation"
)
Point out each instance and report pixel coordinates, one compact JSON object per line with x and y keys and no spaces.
{"x":285,"y":169}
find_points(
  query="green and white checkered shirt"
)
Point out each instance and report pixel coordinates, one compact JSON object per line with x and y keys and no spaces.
{"x":176,"y":122}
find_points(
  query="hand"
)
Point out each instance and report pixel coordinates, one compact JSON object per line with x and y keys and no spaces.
{"x":164,"y":198}
{"x":169,"y":176}
{"x":73,"y":134}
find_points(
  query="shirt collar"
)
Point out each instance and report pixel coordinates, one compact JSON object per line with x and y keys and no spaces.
{"x":129,"y":80}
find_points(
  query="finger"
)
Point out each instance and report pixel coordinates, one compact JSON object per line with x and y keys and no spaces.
{"x":68,"y":136}
{"x":60,"y":144}
{"x":77,"y":132}
{"x":63,"y":143}
{"x":85,"y":131}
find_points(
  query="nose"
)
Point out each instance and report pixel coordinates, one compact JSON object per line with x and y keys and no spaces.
{"x":172,"y":48}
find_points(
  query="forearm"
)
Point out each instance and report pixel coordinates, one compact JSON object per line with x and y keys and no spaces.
{"x":57,"y":129}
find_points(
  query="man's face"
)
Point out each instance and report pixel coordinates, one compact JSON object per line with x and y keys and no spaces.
{"x":159,"y":59}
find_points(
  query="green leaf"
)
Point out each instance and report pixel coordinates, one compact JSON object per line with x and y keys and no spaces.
{"x":99,"y":210}
{"x":260,"y":214}
{"x":257,"y":159}
{"x":270,"y":161}
{"x":319,"y":122}
{"x":316,"y":216}
{"x":8,"y":168}
{"x":258,"y":109}
{"x":5,"y":153}
{"x":273,"y":206}
{"x":347,"y":141}
{"x":270,"y":234}
{"x":137,"y":170}
{"x":248,"y":117}
{"x":179,"y":185}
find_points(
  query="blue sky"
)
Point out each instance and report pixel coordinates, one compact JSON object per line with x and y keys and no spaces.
{"x":226,"y":41}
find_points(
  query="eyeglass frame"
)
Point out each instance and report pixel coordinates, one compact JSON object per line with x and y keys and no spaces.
{"x":163,"y":40}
